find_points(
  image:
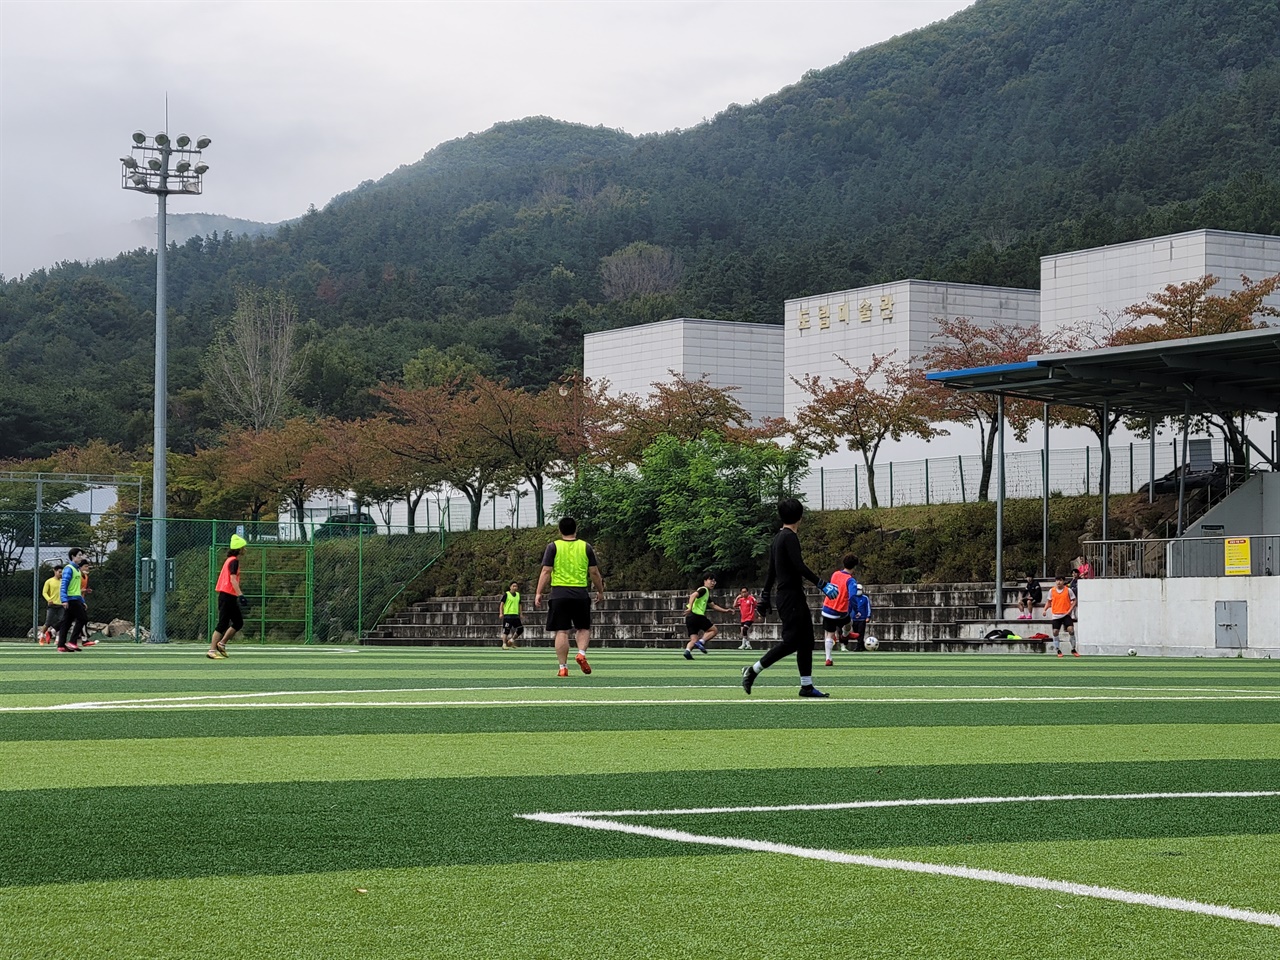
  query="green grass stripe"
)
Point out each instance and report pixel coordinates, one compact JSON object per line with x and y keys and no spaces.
{"x":95,"y":763}
{"x":742,"y":715}
{"x":679,"y":908}
{"x":347,"y":690}
{"x":257,"y":828}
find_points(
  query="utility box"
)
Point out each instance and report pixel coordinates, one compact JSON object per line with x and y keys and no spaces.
{"x":1231,"y":620}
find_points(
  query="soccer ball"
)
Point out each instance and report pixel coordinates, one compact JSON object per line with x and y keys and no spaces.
{"x":872,"y":643}
{"x":1133,"y":652}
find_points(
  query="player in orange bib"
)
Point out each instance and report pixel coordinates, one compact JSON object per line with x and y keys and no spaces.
{"x":1061,"y":606}
{"x":230,"y":614}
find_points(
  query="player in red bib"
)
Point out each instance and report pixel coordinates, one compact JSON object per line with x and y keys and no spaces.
{"x":835,"y":611}
{"x":746,"y":604}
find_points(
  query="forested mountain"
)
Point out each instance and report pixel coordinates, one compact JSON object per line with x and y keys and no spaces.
{"x":963,"y":151}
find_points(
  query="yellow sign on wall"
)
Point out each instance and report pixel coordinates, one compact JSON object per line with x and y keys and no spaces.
{"x":1236,"y":553}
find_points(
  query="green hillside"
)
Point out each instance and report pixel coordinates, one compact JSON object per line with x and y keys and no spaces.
{"x":963,"y":151}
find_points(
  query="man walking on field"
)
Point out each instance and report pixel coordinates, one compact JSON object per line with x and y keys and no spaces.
{"x":568,"y":565}
{"x":787,"y":570}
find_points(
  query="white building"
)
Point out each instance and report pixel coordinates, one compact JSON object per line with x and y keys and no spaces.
{"x":1083,"y":285}
{"x":748,"y":356}
{"x":899,"y":318}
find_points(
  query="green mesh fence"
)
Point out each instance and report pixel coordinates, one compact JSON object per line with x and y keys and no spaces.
{"x":327,"y":583}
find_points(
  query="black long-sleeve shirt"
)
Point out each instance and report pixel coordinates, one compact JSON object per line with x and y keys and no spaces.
{"x":786,"y":565}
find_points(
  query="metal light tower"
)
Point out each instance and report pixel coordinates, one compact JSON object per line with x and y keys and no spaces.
{"x":147,"y":170}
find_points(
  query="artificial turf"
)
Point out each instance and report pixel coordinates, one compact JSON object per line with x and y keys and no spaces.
{"x":242,"y":827}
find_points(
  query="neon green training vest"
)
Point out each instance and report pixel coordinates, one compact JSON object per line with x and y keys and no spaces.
{"x":570,"y":567}
{"x":699,"y":605}
{"x":511,"y":604}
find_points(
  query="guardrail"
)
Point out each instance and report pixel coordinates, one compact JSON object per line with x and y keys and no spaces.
{"x":1256,"y":556}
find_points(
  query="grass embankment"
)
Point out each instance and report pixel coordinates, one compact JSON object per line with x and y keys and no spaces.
{"x":944,"y":543}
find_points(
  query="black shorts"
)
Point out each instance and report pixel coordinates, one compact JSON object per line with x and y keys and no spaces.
{"x":568,"y":614}
{"x":511,"y":623}
{"x":696,"y":623}
{"x":747,"y":625}
{"x":53,"y":618}
{"x":229,"y":613}
{"x":1062,"y":621}
{"x":833,"y":624}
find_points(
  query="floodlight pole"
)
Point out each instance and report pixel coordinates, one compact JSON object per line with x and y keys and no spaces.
{"x":160,"y":436}
{"x":153,"y":175}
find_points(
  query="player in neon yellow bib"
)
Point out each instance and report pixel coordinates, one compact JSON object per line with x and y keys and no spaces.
{"x":696,"y":621}
{"x":568,"y":565}
{"x":512,"y":627}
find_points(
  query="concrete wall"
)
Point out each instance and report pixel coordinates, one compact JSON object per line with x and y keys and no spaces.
{"x":899,"y":318}
{"x":1246,"y":513}
{"x":1079,"y":286}
{"x":748,"y":356}
{"x":1176,"y":617}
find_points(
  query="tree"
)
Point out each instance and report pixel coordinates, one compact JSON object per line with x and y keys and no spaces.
{"x":679,"y":407}
{"x":962,"y":344}
{"x":253,"y":365}
{"x":349,"y":458}
{"x":882,"y":400}
{"x":520,"y":424}
{"x":439,"y":430}
{"x":639,"y":269}
{"x":705,"y":503}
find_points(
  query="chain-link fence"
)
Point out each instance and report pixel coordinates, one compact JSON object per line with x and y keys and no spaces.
{"x":328,"y":584}
{"x":958,"y":479}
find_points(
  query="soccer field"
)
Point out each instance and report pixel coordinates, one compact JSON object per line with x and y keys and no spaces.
{"x":375,"y":803}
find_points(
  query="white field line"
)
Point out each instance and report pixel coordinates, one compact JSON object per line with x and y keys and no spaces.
{"x":219,"y":701}
{"x":599,"y":821}
{"x":240,"y":702}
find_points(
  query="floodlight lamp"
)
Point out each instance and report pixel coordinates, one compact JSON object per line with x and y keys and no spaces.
{"x":154,"y":164}
{"x":201,"y":169}
{"x":183,"y":166}
{"x":139,"y":137}
{"x":162,"y":139}
{"x":139,"y":180}
{"x":184,"y":141}
{"x":202,"y":143}
{"x":129,"y":162}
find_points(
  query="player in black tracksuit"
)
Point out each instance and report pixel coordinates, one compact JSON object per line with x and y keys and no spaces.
{"x":787,"y":571}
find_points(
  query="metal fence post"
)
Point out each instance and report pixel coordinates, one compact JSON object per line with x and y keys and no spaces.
{"x":926,"y":481}
{"x":359,"y":581}
{"x":960,"y":464}
{"x":890,"y":483}
{"x":822,"y":492}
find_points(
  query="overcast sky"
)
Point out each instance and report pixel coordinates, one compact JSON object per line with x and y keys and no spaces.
{"x":304,"y":100}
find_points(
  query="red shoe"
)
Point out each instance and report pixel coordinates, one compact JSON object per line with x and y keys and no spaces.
{"x":1075,"y":653}
{"x":73,"y":646}
{"x":829,"y":664}
{"x":1059,"y":653}
{"x":582,"y":662}
{"x":88,"y":643}
{"x":564,"y":672}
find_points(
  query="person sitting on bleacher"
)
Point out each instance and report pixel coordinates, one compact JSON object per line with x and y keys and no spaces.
{"x":1032,"y":597}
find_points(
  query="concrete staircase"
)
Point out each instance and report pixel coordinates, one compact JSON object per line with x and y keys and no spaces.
{"x":906,"y":617}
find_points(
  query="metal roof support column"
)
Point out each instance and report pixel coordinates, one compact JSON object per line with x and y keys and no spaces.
{"x":1044,"y":482}
{"x":1182,"y":467}
{"x":999,"y":426}
{"x":1151,"y":460}
{"x":1105,"y":486}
